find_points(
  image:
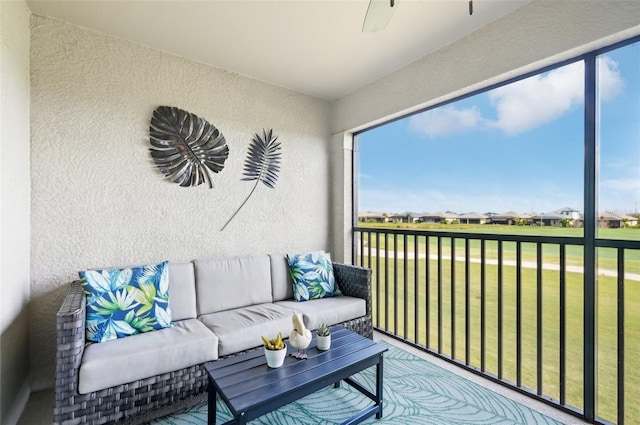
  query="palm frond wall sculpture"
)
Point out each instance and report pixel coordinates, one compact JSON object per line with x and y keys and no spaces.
{"x":262,"y":164}
{"x":186,"y":148}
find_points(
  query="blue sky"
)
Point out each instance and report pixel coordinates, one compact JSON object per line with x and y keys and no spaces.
{"x":518,"y":147}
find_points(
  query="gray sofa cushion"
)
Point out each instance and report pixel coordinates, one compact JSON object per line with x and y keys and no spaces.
{"x":241,"y":329}
{"x":281,"y":283}
{"x":182,"y":291}
{"x":129,"y":359}
{"x":231,"y":282}
{"x":327,"y":310}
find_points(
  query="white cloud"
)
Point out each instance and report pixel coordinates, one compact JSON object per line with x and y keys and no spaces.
{"x":529,"y":103}
{"x":446,"y":120}
{"x":525,"y":104}
{"x":622,"y":184}
{"x":537,"y":100}
{"x":610,"y":81}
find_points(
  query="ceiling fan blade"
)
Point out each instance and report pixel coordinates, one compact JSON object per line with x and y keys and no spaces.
{"x":378,"y":15}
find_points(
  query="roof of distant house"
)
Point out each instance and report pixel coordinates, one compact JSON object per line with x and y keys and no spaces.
{"x":472,"y":215}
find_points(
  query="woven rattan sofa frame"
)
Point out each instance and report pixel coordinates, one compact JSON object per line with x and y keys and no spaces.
{"x":140,"y":401}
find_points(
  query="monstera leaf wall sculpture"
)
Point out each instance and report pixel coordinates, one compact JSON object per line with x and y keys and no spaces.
{"x":262,"y":164}
{"x":186,"y":148}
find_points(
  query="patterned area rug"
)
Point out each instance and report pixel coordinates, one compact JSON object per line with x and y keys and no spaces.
{"x":415,"y":392}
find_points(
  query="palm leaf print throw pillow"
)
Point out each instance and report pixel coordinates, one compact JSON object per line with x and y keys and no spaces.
{"x":127,"y":301}
{"x":312,"y":276}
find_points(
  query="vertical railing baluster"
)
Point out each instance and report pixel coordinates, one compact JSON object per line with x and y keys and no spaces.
{"x":539,"y":335}
{"x":386,"y":281}
{"x":439,"y":295}
{"x":467,"y":303}
{"x":378,"y":279}
{"x":518,"y":314}
{"x":395,"y":284}
{"x":427,"y":282}
{"x":563,"y":324}
{"x":452,"y":286}
{"x":361,"y":249}
{"x":621,"y":336}
{"x":354,"y":247}
{"x":483,"y":306}
{"x":369,"y":248}
{"x":416,"y":290}
{"x":405,"y":263}
{"x":500,"y":318}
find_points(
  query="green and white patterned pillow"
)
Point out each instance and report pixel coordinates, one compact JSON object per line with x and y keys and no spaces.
{"x":128,"y":301}
{"x":312,"y":276}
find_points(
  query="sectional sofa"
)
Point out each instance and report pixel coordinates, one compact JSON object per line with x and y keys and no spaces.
{"x":219,"y":307}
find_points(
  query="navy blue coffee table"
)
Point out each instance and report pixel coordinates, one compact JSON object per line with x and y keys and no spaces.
{"x":251,"y":389}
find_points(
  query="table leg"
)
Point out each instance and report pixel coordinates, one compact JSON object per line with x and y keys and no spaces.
{"x":379,"y":386}
{"x":211,"y":407}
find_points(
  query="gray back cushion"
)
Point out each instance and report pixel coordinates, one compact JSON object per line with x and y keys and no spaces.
{"x":281,"y":283}
{"x":231,"y":282}
{"x":182,"y":291}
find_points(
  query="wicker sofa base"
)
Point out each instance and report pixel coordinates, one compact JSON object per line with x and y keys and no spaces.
{"x":113,"y":404}
{"x":141,"y":401}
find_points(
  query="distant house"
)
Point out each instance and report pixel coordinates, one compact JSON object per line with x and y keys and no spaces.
{"x":528,"y":218}
{"x":437,"y":218}
{"x":615,"y":220}
{"x":399,"y":218}
{"x":569,"y":212}
{"x":549,"y":219}
{"x":472,"y":218}
{"x":371,"y":217}
{"x":630,"y":220}
{"x":449,"y":217}
{"x":422,"y":217}
{"x":509,"y":218}
{"x":411,"y":217}
{"x":430,"y":218}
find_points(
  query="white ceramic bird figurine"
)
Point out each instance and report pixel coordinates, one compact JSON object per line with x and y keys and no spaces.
{"x":300,"y":337}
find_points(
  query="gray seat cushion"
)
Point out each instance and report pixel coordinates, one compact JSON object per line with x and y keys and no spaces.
{"x":226,"y":283}
{"x":327,"y":310}
{"x":240,"y":329}
{"x":182,"y":291}
{"x":281,"y":282}
{"x":140,"y":356}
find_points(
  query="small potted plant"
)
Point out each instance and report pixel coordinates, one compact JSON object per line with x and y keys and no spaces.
{"x":324,"y":337}
{"x":275,"y":351}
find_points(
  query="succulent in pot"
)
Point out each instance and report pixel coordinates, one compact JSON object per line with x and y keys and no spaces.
{"x":275,"y":350}
{"x":324,"y":330}
{"x":324,"y":337}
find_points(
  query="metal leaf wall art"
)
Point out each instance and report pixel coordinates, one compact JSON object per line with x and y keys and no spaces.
{"x":262,"y":164}
{"x":186,"y":148}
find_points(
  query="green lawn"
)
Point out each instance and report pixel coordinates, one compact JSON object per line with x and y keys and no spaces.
{"x":607,"y":320}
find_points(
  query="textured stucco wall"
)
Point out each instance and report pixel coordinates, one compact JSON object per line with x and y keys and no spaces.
{"x":98,"y":199}
{"x":540,"y":33}
{"x":14,"y":207}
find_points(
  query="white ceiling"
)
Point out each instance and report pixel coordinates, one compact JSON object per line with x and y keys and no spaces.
{"x":314,"y":47}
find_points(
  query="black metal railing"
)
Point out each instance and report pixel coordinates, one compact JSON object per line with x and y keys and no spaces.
{"x":512,"y":309}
